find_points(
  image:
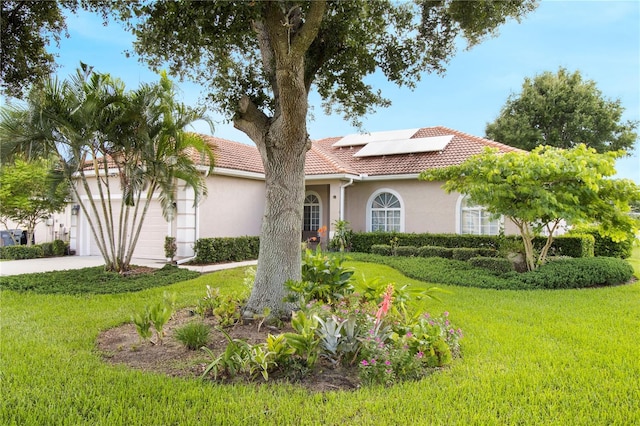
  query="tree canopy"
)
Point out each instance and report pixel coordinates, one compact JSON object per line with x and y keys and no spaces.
{"x":259,"y":60}
{"x":563,"y":110}
{"x":541,"y":189}
{"x":27,"y":28}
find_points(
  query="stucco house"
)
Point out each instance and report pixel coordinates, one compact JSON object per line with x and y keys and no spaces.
{"x":369,"y":180}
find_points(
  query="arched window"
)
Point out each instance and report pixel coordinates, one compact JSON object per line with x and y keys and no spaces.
{"x":385,"y":212}
{"x":311,"y":215}
{"x":475,"y":219}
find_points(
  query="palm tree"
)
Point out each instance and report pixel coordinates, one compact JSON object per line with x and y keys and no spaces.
{"x":109,"y":141}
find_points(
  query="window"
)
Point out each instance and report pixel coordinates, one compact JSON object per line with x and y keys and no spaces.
{"x":385,"y":212}
{"x":311,"y":214}
{"x":475,"y":219}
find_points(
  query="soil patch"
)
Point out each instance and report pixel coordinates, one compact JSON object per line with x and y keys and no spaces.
{"x":122,"y":345}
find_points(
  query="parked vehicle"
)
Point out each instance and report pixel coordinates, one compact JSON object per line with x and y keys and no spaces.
{"x":11,"y":237}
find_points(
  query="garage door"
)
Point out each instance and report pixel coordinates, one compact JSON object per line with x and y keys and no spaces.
{"x":151,"y":241}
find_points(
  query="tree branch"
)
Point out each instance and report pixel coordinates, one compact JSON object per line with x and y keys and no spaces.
{"x":250,"y":120}
{"x":309,"y":29}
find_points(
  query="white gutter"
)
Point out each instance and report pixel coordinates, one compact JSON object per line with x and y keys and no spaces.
{"x":342,"y":187}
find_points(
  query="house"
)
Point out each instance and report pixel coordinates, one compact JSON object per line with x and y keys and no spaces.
{"x":369,"y":180}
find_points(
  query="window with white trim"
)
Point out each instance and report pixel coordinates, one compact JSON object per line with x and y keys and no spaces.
{"x":311,"y":214}
{"x":475,"y":219}
{"x":385,"y":212}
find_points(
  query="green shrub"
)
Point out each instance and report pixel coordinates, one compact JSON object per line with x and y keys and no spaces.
{"x":407,"y":251}
{"x":465,"y":254}
{"x":381,"y":249}
{"x":574,"y":246}
{"x":216,"y":250}
{"x":59,"y":248}
{"x":497,"y":265}
{"x":435,"y":251}
{"x":578,"y":273}
{"x":605,"y":246}
{"x":363,"y":241}
{"x":193,"y":335}
{"x":22,"y":252}
{"x":323,"y":279}
{"x":47,"y":249}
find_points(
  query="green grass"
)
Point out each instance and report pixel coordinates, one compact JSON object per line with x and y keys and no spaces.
{"x":94,"y":281}
{"x":538,"y":357}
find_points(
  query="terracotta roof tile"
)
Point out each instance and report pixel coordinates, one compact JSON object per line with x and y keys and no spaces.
{"x":459,"y":148}
{"x":235,"y":155}
{"x":323,"y":158}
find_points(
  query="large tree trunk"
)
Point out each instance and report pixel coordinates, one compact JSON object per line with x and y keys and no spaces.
{"x":283,"y":142}
{"x":279,"y":258}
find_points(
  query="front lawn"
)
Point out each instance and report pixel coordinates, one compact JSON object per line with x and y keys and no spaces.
{"x":529,"y":357}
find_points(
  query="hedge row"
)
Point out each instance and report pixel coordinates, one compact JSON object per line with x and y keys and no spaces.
{"x":216,"y":250}
{"x":605,"y":246}
{"x":52,"y":249}
{"x":562,"y":273}
{"x":461,"y":253}
{"x":572,"y":246}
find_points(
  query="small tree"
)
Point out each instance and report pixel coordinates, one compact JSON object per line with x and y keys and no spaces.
{"x":539,"y":190}
{"x":563,"y":110}
{"x":30,"y":191}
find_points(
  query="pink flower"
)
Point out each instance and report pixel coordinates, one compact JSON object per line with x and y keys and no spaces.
{"x":420,"y":354}
{"x":364,"y":362}
{"x":409,"y":334}
{"x":445,"y":314}
{"x":385,"y":305}
{"x":387,"y":362}
{"x":373,"y":361}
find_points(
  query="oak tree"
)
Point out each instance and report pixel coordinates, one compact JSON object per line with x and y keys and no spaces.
{"x":563,"y":110}
{"x":260,"y":60}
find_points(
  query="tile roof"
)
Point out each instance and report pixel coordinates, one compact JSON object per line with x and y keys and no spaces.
{"x":323,"y":158}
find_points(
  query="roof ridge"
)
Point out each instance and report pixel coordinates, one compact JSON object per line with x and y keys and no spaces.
{"x":484,"y":141}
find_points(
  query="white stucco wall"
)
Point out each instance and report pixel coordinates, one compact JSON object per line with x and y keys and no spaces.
{"x":234,"y":207}
{"x":426,"y":207}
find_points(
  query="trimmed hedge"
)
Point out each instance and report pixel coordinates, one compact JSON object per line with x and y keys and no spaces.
{"x":578,"y":273}
{"x":362,"y":241}
{"x":216,"y":250}
{"x":435,"y":251}
{"x":465,"y":253}
{"x":573,"y":246}
{"x":557,"y":274}
{"x":407,"y":251}
{"x":21,"y":252}
{"x":605,"y":246}
{"x":497,"y":265}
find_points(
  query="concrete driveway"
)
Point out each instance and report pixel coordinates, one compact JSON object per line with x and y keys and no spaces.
{"x":27,"y":266}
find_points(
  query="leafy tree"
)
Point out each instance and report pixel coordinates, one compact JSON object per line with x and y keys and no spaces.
{"x":26,"y":28}
{"x":261,"y":59}
{"x":30,"y":191}
{"x":106,"y":140}
{"x":563,"y":110}
{"x":539,"y":190}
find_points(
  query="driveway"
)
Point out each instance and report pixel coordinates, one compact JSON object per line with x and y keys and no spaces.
{"x":27,"y":266}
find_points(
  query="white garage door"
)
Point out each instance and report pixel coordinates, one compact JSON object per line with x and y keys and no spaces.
{"x":151,"y":241}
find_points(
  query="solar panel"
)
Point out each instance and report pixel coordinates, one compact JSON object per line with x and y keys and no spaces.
{"x":404,"y":146}
{"x":363,"y":139}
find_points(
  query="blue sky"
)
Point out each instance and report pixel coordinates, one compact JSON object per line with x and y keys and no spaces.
{"x":601,"y":39}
